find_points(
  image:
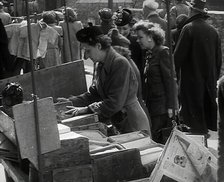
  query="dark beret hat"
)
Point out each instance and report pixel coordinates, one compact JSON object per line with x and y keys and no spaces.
{"x":89,"y":34}
{"x":122,"y":17}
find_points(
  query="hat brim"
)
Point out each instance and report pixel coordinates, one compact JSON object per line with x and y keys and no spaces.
{"x":200,"y":10}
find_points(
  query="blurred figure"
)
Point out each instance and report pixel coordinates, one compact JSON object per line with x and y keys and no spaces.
{"x":53,"y":55}
{"x":198,"y":59}
{"x":71,"y":46}
{"x":162,"y":9}
{"x":179,"y":9}
{"x":107,"y":22}
{"x":150,"y":13}
{"x":5,"y":17}
{"x":175,"y":33}
{"x":6,"y":64}
{"x":159,"y":92}
{"x":124,"y":20}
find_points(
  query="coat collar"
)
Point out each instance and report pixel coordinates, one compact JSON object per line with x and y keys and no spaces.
{"x":111,"y":54}
{"x":153,"y":14}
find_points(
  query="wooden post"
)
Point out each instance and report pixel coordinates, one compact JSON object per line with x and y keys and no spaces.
{"x":34,"y":95}
{"x":110,"y":4}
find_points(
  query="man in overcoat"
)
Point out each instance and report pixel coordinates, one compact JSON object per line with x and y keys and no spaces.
{"x":198,"y":60}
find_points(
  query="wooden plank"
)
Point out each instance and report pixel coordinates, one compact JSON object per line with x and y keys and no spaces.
{"x":141,"y":180}
{"x":25,"y":127}
{"x":117,"y":166}
{"x":74,"y":151}
{"x":7,"y":127}
{"x":94,"y":126}
{"x":80,"y":120}
{"x":93,"y":135}
{"x":63,"y":128}
{"x":82,"y":173}
{"x":14,"y":172}
{"x":127,"y":137}
{"x":58,"y":81}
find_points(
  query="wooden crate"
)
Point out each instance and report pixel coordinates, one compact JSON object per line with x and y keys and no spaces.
{"x":117,"y":166}
{"x":74,"y":151}
{"x":57,"y":81}
{"x":81,"y":173}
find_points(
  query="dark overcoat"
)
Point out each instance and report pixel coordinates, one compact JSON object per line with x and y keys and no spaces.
{"x":198,"y":60}
{"x":5,"y":62}
{"x":116,"y":90}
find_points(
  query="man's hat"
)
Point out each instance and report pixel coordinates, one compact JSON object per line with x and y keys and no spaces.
{"x":122,"y":17}
{"x":89,"y":34}
{"x":198,"y":5}
{"x":105,"y":14}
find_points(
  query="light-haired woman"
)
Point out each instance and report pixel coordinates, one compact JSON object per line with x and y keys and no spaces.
{"x":159,"y":91}
{"x":70,"y":26}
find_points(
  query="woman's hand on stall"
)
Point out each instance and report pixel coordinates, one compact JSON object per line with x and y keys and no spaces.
{"x":75,"y":111}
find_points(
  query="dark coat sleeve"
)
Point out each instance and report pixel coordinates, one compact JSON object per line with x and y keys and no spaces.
{"x":182,"y":50}
{"x":118,"y":88}
{"x":168,"y":79}
{"x":86,"y":98}
{"x":219,"y":57}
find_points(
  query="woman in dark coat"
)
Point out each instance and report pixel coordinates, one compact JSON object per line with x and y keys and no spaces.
{"x":198,"y":60}
{"x":159,"y":92}
{"x":116,"y":84}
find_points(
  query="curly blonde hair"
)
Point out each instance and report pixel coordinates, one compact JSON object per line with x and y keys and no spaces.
{"x":152,"y":29}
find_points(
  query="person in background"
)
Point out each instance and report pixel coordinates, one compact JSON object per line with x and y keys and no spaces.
{"x":150,"y":13}
{"x":116,"y":86}
{"x":162,"y":9}
{"x":179,"y":9}
{"x":175,"y":33}
{"x":53,"y":55}
{"x":160,"y":85}
{"x":70,"y":26}
{"x":6,"y":63}
{"x":198,"y":59}
{"x":5,"y":17}
{"x":124,"y":21}
{"x":106,"y":19}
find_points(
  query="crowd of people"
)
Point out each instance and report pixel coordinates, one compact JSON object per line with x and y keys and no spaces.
{"x":136,"y":83}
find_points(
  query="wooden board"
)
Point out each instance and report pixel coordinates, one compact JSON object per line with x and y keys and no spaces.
{"x":25,"y":127}
{"x":7,"y":127}
{"x":58,"y":81}
{"x":80,"y":120}
{"x":74,"y":151}
{"x":82,"y":173}
{"x":94,"y":126}
{"x":122,"y":165}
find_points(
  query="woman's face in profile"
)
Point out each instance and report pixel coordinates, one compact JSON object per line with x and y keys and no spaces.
{"x":144,"y":40}
{"x":91,"y":52}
